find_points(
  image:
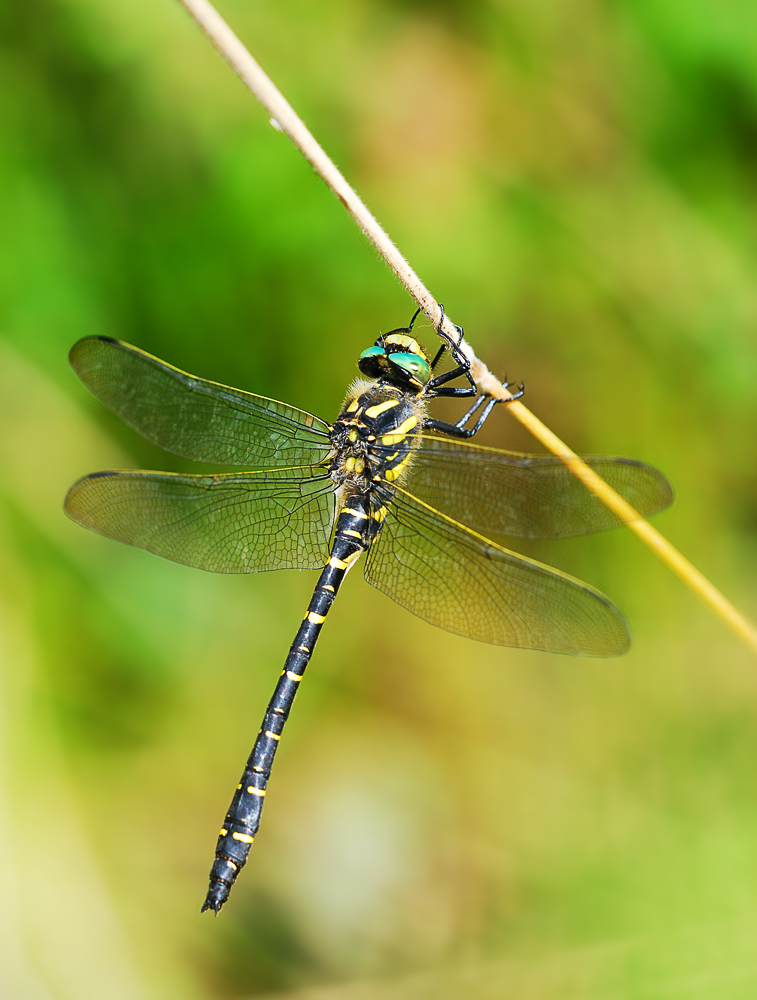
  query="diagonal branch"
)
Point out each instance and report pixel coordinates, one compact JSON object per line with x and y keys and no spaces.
{"x":284,"y":117}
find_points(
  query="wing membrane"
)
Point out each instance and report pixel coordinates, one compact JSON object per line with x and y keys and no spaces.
{"x":464,"y":583}
{"x":237,"y":523}
{"x":527,"y":496}
{"x":195,"y":418}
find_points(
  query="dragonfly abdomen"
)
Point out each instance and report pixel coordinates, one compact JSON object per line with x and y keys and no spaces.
{"x":354,"y":527}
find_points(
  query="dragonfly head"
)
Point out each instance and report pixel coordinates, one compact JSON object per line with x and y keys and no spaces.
{"x":399,"y":359}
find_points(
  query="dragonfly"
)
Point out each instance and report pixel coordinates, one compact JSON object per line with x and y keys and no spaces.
{"x":384,"y":480}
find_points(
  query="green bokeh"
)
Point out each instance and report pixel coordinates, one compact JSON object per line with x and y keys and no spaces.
{"x":576,"y":181}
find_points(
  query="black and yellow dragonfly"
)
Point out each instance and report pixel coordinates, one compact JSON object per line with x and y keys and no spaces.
{"x":384,"y":479}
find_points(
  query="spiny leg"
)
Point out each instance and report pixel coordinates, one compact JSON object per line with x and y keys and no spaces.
{"x":436,"y":387}
{"x":462,"y":369}
{"x":243,"y":817}
{"x":459,"y":429}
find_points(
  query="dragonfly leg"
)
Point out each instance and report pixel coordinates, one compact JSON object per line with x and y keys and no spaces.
{"x":459,"y":429}
{"x":461,"y":371}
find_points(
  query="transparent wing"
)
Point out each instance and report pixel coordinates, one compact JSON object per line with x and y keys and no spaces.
{"x":527,"y":496}
{"x":464,"y":583}
{"x":238,"y":523}
{"x":189,"y":416}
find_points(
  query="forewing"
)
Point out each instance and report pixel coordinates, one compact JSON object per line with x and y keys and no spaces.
{"x":527,"y":496}
{"x":237,"y":523}
{"x":195,"y":418}
{"x":462,"y":582}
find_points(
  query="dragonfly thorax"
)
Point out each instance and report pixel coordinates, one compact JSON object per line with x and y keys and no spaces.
{"x":374,"y":437}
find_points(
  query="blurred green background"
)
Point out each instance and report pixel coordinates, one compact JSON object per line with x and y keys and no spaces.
{"x":577,"y":181}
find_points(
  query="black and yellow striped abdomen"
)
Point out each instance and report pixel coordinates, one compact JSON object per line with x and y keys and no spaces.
{"x":243,"y":817}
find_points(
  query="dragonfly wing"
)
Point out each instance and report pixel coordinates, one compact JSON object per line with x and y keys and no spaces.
{"x":195,"y":418}
{"x":237,"y":523}
{"x":462,"y":582}
{"x":528,"y":496}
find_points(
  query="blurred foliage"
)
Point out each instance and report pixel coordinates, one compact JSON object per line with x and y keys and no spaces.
{"x":576,"y":181}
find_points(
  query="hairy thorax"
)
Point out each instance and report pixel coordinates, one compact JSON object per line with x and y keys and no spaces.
{"x":374,"y":438}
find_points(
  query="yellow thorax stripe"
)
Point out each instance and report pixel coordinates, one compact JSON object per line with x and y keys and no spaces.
{"x":396,"y":471}
{"x":402,"y":431}
{"x":388,"y":404}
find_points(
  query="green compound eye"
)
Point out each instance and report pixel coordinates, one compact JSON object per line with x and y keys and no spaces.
{"x":371,"y":352}
{"x":372,"y":362}
{"x":375,"y":362}
{"x":416,"y":367}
